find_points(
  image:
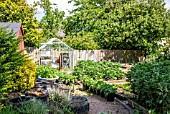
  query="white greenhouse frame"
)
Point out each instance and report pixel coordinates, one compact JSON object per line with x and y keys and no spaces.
{"x":56,"y":49}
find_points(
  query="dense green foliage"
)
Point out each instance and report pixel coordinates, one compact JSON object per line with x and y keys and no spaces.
{"x":98,"y":70}
{"x":20,"y":11}
{"x":150,"y":81}
{"x":81,"y":42}
{"x":17,"y":73}
{"x":119,"y":24}
{"x":10,"y":59}
{"x":163,"y":52}
{"x":51,"y":22}
{"x":46,"y":72}
{"x":34,"y":32}
{"x":24,"y":76}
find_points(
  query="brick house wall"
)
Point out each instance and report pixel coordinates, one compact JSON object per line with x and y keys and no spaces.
{"x":19,"y":35}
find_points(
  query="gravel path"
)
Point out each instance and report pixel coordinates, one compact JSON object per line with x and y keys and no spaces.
{"x":99,"y":105}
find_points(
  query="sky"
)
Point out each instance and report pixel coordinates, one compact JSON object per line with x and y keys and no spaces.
{"x":61,"y":4}
{"x":64,"y":6}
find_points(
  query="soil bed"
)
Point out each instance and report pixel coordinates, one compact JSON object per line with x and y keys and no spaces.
{"x":36,"y":92}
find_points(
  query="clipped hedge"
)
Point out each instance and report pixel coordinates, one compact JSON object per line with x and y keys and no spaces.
{"x":98,"y":70}
{"x":150,"y":81}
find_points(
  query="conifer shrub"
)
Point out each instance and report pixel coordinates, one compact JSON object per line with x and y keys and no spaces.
{"x":16,"y":72}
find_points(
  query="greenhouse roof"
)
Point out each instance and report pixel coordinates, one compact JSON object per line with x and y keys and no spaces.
{"x":54,"y":41}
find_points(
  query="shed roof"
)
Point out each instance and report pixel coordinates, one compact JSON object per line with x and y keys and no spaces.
{"x":11,"y":26}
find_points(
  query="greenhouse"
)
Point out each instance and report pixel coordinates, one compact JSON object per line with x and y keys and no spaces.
{"x":56,"y":54}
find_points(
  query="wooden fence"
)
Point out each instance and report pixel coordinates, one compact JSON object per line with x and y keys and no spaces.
{"x":122,"y":56}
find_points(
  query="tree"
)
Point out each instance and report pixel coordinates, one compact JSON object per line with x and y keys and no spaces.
{"x":20,"y":11}
{"x":80,"y":42}
{"x":51,"y":22}
{"x":120,"y":25}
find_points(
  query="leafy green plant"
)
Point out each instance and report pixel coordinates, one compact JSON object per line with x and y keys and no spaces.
{"x":81,"y":43}
{"x":86,"y":80}
{"x":108,"y":89}
{"x":126,"y":86}
{"x":98,"y":70}
{"x":98,"y":85}
{"x":46,"y":72}
{"x":150,"y":81}
{"x":67,"y":78}
{"x":8,"y":110}
{"x":116,"y":24}
{"x":58,"y":102}
{"x":36,"y":107}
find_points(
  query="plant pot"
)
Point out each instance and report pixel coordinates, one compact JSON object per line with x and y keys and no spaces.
{"x":38,"y":93}
{"x":91,"y":90}
{"x":85,"y":87}
{"x":102,"y":93}
{"x":16,"y":101}
{"x":41,"y":86}
{"x":110,"y":97}
{"x":37,"y":83}
{"x":78,"y":98}
{"x":67,"y":83}
{"x":79,"y":107}
{"x":49,"y":79}
{"x":97,"y":92}
{"x":44,"y":97}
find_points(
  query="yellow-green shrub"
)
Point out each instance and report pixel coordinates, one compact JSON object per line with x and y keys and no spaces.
{"x":25,"y":76}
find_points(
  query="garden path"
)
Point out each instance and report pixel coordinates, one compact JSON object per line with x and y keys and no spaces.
{"x":99,"y":105}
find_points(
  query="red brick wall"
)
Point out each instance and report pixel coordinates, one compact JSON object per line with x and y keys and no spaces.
{"x":19,"y":35}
